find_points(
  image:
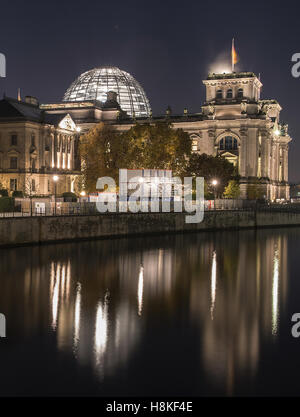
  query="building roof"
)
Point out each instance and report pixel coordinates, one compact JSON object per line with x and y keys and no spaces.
{"x":12,"y":109}
{"x":226,"y":76}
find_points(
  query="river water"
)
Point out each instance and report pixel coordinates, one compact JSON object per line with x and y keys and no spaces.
{"x":194,"y":314}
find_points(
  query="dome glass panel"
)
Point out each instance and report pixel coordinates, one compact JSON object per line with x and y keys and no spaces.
{"x":95,"y":84}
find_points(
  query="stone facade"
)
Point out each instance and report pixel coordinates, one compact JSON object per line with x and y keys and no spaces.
{"x":234,"y":122}
{"x":34,"y":146}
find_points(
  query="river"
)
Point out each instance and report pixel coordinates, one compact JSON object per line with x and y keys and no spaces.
{"x":195,"y":314}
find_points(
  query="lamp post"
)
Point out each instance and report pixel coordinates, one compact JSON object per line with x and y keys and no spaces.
{"x":55,"y":179}
{"x":214,"y":184}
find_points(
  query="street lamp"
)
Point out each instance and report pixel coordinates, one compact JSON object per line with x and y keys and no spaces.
{"x":83,"y":193}
{"x":55,"y":179}
{"x":214,"y":184}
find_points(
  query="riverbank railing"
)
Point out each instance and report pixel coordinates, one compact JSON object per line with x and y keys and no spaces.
{"x":90,"y":209}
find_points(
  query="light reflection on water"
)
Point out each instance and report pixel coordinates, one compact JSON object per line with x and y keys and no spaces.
{"x":109,"y":303}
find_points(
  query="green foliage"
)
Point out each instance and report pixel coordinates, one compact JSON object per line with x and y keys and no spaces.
{"x":68,"y":196}
{"x":103,"y":152}
{"x":17,"y":194}
{"x":7,"y":204}
{"x":232,"y":190}
{"x":158,"y":146}
{"x":211,"y":167}
{"x":3,"y":193}
{"x":208,"y":194}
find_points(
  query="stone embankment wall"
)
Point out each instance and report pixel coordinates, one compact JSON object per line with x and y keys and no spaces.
{"x":36,"y":230}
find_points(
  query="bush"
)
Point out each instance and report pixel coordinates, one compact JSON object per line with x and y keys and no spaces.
{"x":7,"y":204}
{"x":18,"y":194}
{"x":69,"y":197}
{"x":3,"y":193}
{"x":232,"y":190}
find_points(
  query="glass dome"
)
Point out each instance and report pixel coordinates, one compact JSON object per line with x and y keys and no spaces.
{"x":94,"y":85}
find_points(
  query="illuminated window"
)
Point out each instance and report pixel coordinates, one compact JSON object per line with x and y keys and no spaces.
{"x":13,"y":184}
{"x":195,"y":145}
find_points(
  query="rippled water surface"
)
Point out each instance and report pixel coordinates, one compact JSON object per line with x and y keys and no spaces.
{"x":196,"y":314}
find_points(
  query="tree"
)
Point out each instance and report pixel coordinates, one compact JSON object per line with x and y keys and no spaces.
{"x":211,"y":167}
{"x":3,"y":190}
{"x":144,"y":146}
{"x":30,"y":189}
{"x":102,"y":152}
{"x":232,"y":190}
{"x":157,"y":146}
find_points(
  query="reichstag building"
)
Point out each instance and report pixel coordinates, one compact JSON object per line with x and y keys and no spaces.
{"x":38,"y":140}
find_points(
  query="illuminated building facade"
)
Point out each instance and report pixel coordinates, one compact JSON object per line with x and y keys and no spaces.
{"x":34,"y":146}
{"x":234,"y":122}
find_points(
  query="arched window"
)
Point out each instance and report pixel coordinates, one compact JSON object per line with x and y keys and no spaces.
{"x":219,"y":94}
{"x":240,"y":93}
{"x":228,"y":144}
{"x":229,"y":93}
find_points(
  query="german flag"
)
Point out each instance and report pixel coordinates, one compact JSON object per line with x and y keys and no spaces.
{"x":234,"y":56}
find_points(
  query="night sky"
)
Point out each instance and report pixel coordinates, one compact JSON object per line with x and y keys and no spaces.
{"x":168,"y":46}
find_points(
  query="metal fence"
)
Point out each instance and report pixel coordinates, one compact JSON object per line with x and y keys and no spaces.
{"x":88,"y":208}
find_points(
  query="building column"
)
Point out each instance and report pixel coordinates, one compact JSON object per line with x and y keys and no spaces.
{"x":285,"y":164}
{"x":243,"y":153}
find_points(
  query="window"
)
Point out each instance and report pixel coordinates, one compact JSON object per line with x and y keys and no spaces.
{"x":240,"y":93}
{"x":195,"y":145}
{"x":14,"y":140}
{"x":32,"y":140}
{"x":229,"y":93}
{"x":13,"y":184}
{"x":47,"y":146}
{"x":33,"y":185}
{"x":228,"y":144}
{"x":49,"y":188}
{"x":13,"y":162}
{"x":219,"y":94}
